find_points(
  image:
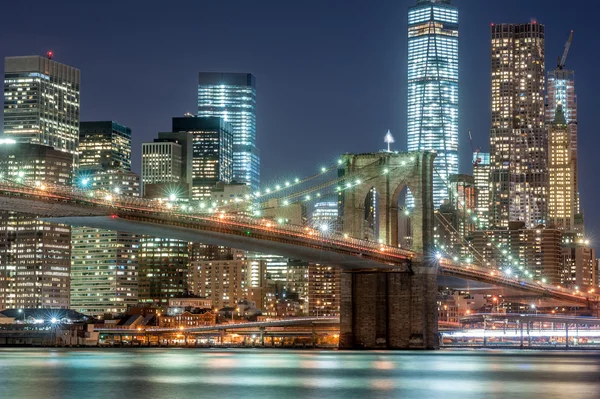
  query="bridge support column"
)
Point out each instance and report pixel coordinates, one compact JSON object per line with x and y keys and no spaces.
{"x":389,"y":309}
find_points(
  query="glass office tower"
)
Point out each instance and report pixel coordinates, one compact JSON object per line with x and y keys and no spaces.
{"x":433,"y":88}
{"x":232,"y":96}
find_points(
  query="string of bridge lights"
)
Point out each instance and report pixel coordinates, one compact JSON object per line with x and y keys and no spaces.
{"x":503,"y":249}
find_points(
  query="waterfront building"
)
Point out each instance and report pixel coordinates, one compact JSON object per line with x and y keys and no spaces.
{"x":518,"y":137}
{"x":232,"y":97}
{"x":163,"y":269}
{"x":433,"y":88}
{"x":324,"y":290}
{"x":224,"y":282}
{"x":187,"y":320}
{"x":104,"y":145}
{"x":41,"y":103}
{"x":104,"y":271}
{"x":35,"y":262}
{"x":34,"y":255}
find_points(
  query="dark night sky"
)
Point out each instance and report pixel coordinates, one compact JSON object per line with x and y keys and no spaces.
{"x":331,"y":75}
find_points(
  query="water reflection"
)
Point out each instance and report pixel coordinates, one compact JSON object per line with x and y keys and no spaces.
{"x":175,"y":373}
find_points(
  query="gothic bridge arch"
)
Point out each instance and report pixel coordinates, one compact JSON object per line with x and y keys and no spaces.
{"x":388,"y":173}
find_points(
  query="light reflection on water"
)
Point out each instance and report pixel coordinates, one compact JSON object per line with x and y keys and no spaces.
{"x":187,"y":373}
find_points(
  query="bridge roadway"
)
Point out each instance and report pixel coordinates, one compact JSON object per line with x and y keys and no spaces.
{"x":107,"y":211}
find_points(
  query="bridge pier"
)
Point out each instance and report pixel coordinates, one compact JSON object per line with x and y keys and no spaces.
{"x":389,"y":309}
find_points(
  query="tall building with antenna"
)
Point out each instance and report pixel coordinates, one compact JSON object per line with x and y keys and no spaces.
{"x":433,"y":88}
{"x":518,"y":138}
{"x":561,"y":93}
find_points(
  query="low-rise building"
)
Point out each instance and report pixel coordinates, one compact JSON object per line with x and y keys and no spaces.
{"x":188,"y":319}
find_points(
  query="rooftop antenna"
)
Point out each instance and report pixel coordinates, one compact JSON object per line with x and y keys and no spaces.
{"x":389,"y":139}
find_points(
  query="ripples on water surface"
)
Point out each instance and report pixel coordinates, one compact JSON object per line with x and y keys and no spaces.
{"x":188,"y":373}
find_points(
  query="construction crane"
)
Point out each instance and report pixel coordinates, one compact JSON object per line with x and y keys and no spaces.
{"x":476,"y":151}
{"x":563,"y":60}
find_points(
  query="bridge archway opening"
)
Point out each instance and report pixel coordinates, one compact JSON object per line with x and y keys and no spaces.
{"x":404,"y":219}
{"x":390,"y":174}
{"x":371,"y":215}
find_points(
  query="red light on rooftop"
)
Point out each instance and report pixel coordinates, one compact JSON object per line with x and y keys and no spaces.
{"x":492,"y":24}
{"x":49,"y":54}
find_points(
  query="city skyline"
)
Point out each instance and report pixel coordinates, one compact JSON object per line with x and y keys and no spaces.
{"x":387,"y":38}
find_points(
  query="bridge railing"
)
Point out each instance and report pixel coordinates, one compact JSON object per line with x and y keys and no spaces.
{"x":108,"y":200}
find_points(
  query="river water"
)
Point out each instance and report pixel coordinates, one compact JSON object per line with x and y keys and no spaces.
{"x":189,"y":373}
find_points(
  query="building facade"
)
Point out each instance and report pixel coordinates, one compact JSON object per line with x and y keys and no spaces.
{"x":232,"y":97}
{"x":35,"y":262}
{"x":41,"y":103}
{"x":34,"y":255}
{"x":562,"y":199}
{"x":579,"y":267}
{"x":212,"y":158}
{"x":104,"y":145}
{"x":163,"y":269}
{"x":31,"y":163}
{"x":323,"y":290}
{"x":433,"y":88}
{"x":518,"y":139}
{"x":325,"y":216}
{"x":162,"y":169}
{"x":561,"y":90}
{"x":481,"y":176}
{"x":532,"y":253}
{"x":104,"y":271}
{"x":224,"y":282}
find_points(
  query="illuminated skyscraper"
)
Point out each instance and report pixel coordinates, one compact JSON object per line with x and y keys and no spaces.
{"x":104,"y":145}
{"x":232,"y":96}
{"x":41,"y":102}
{"x":104,"y":263}
{"x":481,"y":175}
{"x":518,"y":138}
{"x":433,"y":88}
{"x":561,"y":90}
{"x":212,"y":152}
{"x":561,"y":201}
{"x":35,"y":256}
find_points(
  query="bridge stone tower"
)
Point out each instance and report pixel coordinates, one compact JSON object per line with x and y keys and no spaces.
{"x":393,"y":309}
{"x":389,"y":173}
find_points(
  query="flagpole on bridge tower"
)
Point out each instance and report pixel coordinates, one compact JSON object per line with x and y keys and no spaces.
{"x":389,"y":139}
